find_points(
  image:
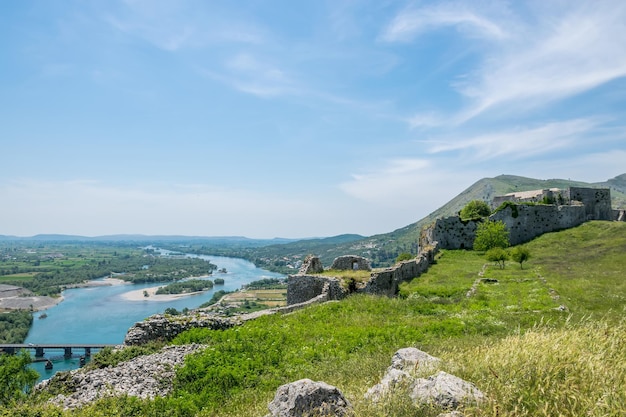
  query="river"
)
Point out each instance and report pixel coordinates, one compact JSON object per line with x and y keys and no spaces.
{"x":101,"y":315}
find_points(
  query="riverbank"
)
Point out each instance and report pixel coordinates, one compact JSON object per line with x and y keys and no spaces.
{"x":149,"y":294}
{"x":32,"y":303}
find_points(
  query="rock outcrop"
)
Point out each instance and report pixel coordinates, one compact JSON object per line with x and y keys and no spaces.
{"x":165,"y":328}
{"x":308,"y":398}
{"x":441,"y":389}
{"x":445,"y":390}
{"x":147,"y":376}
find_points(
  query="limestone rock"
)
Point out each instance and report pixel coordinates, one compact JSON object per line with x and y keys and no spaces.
{"x":393,"y":379}
{"x":146,"y":376}
{"x":306,"y":397}
{"x":445,"y":390}
{"x":163,"y":327}
{"x":414,"y":360}
{"x":405,"y":363}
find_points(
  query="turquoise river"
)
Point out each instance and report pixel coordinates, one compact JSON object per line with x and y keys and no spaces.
{"x":102,"y":315}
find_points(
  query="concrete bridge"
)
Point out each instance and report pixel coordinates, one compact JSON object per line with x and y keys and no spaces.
{"x":41,"y":348}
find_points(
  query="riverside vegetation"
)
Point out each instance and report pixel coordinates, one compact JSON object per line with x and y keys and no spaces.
{"x":540,"y":341}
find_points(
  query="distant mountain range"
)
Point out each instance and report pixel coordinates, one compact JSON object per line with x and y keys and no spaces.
{"x":381,"y":249}
{"x":212,"y":240}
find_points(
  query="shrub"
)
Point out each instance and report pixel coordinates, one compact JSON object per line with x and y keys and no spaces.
{"x":490,"y":235}
{"x":475,"y":209}
{"x":497,"y":255}
{"x":520,"y":254}
{"x":404,"y":256}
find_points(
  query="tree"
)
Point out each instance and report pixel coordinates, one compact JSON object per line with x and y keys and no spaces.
{"x":475,"y":209}
{"x":491,"y":235}
{"x":16,"y":378}
{"x":497,"y":255}
{"x":520,"y":254}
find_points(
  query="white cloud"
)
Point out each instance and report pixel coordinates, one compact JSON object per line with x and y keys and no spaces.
{"x":182,"y":24}
{"x":411,"y":23}
{"x":569,"y":51}
{"x":519,"y":143}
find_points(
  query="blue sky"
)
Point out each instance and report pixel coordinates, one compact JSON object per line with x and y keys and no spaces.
{"x":295,"y":119}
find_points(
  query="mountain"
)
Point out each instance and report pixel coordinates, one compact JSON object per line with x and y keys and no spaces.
{"x":383,"y":249}
{"x":228,"y":241}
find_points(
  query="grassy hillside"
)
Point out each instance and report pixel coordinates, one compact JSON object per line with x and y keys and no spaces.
{"x":383,"y":249}
{"x":512,"y":338}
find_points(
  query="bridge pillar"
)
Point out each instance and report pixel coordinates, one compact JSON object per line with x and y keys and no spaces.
{"x":87,"y":352}
{"x":39,"y":352}
{"x":68,"y":352}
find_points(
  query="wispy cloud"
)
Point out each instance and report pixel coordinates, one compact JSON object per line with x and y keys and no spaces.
{"x":182,"y":24}
{"x":412,"y":22}
{"x":558,"y":51}
{"x":582,"y":51}
{"x":521,"y":142}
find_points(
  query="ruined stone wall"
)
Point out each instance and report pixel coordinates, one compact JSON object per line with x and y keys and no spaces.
{"x":351,"y":262}
{"x":597,"y":202}
{"x":619,"y":215}
{"x":387,"y":282}
{"x":525,"y":222}
{"x":450,"y":233}
{"x":301,"y":288}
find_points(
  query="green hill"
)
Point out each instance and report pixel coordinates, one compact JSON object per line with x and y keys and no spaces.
{"x":383,"y":249}
{"x":543,"y":340}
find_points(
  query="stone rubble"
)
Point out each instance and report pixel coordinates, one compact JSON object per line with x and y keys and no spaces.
{"x":146,"y":376}
{"x":441,"y":389}
{"x":308,"y":398}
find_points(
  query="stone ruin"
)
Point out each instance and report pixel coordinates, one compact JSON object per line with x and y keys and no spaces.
{"x":311,"y":265}
{"x":351,"y":262}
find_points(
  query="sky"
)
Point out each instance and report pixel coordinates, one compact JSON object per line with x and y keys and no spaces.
{"x":295,"y":119}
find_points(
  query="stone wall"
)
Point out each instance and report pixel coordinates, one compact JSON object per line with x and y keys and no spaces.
{"x":387,"y":282}
{"x":524,"y":222}
{"x":619,"y":215}
{"x":351,"y":262}
{"x":450,"y":233}
{"x":597,"y":201}
{"x":301,"y":288}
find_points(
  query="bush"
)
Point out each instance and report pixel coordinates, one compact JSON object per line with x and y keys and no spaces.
{"x":497,"y":255}
{"x":16,"y":378}
{"x":520,"y":254}
{"x":404,"y":256}
{"x":475,"y":209}
{"x":491,"y":235}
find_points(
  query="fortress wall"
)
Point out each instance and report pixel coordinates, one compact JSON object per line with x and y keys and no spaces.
{"x":450,"y":233}
{"x":301,"y":288}
{"x":597,"y":201}
{"x":526,"y":222}
{"x":387,"y":282}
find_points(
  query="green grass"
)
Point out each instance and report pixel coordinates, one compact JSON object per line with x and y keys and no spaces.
{"x":506,"y":337}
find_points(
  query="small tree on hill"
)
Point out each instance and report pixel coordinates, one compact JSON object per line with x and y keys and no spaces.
{"x":520,"y":254}
{"x":491,"y":235}
{"x":475,"y":209}
{"x":497,"y":255}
